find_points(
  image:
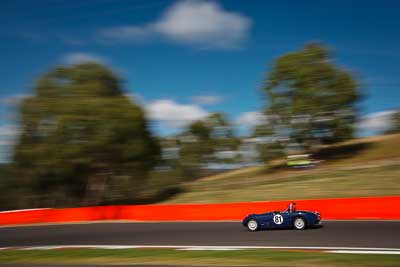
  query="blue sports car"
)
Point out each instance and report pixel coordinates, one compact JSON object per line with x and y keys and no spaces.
{"x":290,"y":218}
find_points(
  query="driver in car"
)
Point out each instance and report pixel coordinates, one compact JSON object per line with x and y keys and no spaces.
{"x":291,"y":208}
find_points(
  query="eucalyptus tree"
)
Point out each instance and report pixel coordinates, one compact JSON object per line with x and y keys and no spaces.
{"x":82,"y":141}
{"x":311,"y":100}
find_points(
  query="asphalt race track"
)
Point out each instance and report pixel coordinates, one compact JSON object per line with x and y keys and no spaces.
{"x":368,"y":234}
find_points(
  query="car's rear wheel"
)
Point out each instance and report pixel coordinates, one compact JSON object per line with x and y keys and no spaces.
{"x":299,"y":223}
{"x":252,"y":225}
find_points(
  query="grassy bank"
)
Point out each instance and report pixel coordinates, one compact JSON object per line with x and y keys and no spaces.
{"x":367,"y":167}
{"x":193,"y":258}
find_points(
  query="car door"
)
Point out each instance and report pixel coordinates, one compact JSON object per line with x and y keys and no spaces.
{"x":266,"y":220}
{"x":277,"y":220}
{"x":287,"y":220}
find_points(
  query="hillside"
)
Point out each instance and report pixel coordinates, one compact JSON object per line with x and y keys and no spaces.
{"x":362,"y":167}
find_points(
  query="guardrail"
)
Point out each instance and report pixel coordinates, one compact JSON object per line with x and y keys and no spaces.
{"x":366,"y":208}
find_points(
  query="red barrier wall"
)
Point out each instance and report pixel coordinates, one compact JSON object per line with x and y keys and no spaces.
{"x":382,"y":208}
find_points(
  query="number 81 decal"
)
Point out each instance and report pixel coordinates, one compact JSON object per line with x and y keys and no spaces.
{"x":278,"y":219}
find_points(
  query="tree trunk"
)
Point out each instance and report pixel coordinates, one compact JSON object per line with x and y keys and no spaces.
{"x":95,"y":189}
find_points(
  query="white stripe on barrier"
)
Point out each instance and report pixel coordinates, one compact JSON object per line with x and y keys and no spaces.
{"x":16,"y":211}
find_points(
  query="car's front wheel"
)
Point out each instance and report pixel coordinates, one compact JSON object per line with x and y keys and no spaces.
{"x":299,"y":223}
{"x":252,"y":225}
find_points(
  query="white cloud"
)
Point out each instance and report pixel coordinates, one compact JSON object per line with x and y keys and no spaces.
{"x":126,"y":33}
{"x":173,"y":114}
{"x":73,"y":42}
{"x":79,"y":57}
{"x":207,"y":99}
{"x":250,"y":119}
{"x":204,"y":24}
{"x":13,"y":99}
{"x":377,"y":121}
{"x":8,"y":131}
{"x":8,"y":136}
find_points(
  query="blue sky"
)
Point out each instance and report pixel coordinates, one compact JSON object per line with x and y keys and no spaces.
{"x":195,"y":57}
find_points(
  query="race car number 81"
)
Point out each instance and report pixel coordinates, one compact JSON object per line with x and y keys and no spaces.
{"x":278,"y":219}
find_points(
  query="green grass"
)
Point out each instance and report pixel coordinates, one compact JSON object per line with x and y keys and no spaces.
{"x":369,"y":167}
{"x":192,"y":258}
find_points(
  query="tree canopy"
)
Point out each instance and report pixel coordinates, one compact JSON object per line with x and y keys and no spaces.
{"x":82,"y":141}
{"x":394,"y":123}
{"x":311,"y":100}
{"x":203,"y":139}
